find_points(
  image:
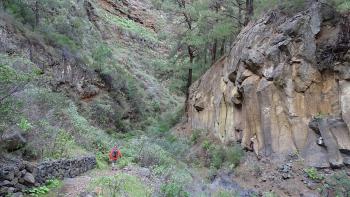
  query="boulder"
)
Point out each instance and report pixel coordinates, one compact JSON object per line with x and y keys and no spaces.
{"x":7,"y":174}
{"x":345,"y":100}
{"x":13,"y":140}
{"x":29,"y":178}
{"x":30,"y":167}
{"x":88,"y":194}
{"x":5,"y":183}
{"x":332,"y":133}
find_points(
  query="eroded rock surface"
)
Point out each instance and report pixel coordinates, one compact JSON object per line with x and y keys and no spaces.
{"x":281,"y":72}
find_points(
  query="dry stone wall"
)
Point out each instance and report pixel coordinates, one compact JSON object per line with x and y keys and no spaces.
{"x":17,"y":177}
{"x":281,"y":73}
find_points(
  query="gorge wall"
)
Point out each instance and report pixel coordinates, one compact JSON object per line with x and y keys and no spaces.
{"x":281,"y":74}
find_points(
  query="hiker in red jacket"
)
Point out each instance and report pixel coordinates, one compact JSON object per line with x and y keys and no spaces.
{"x":114,"y":155}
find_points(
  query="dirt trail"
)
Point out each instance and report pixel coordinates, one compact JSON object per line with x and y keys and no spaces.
{"x":72,"y":187}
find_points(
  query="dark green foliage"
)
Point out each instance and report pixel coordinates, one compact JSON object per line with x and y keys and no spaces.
{"x":234,"y":155}
{"x":313,"y":174}
{"x":60,"y":41}
{"x":165,"y":122}
{"x":217,"y":156}
{"x":11,"y":82}
{"x":45,"y":189}
{"x":339,"y":183}
{"x":196,"y":134}
{"x":21,"y":10}
{"x":101,"y":55}
{"x":220,"y":155}
{"x":174,"y":190}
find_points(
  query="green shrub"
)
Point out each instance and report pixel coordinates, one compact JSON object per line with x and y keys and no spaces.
{"x":24,"y":125}
{"x":206,"y":144}
{"x":124,"y":161}
{"x":338,"y":182}
{"x":217,"y":157}
{"x":44,"y":190}
{"x":100,"y":55}
{"x":166,"y":121}
{"x":313,"y":174}
{"x":152,"y":155}
{"x":196,"y":134}
{"x":11,"y":82}
{"x":61,"y":40}
{"x":38,"y":191}
{"x":234,"y":155}
{"x":102,"y":160}
{"x":20,"y":10}
{"x":121,"y":185}
{"x":174,"y":190}
{"x":63,"y":145}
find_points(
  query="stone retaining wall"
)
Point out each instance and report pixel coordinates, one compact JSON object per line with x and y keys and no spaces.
{"x":22,"y":175}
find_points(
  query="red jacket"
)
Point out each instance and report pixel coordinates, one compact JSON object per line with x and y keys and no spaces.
{"x":113,"y":156}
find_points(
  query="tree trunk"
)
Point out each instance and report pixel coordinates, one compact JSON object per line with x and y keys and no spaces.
{"x":190,"y":53}
{"x":222,"y":50}
{"x":213,"y":51}
{"x":36,"y":11}
{"x":187,"y":104}
{"x":249,"y":11}
{"x":239,"y":3}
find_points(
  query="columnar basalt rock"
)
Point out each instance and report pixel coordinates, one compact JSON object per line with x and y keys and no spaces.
{"x":280,"y":73}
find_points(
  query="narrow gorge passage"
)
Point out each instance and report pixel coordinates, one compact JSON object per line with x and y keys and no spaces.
{"x":174,"y":98}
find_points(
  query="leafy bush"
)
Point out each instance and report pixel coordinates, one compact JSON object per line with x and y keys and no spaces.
{"x":100,"y":55}
{"x":102,"y":160}
{"x":11,"y":82}
{"x":234,"y":155}
{"x":166,"y":121}
{"x":338,"y":182}
{"x":313,"y":174}
{"x":206,"y":144}
{"x":121,"y":185}
{"x":217,"y":157}
{"x":61,"y":40}
{"x":196,"y":134}
{"x":63,"y":144}
{"x":152,"y":155}
{"x":174,"y":190}
{"x":24,"y":124}
{"x":218,"y":154}
{"x":43,"y":190}
{"x":21,"y":10}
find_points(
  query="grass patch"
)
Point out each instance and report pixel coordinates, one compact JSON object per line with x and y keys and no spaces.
{"x":313,"y":174}
{"x":131,"y":26}
{"x":120,"y":185}
{"x":45,"y":190}
{"x":174,"y":189}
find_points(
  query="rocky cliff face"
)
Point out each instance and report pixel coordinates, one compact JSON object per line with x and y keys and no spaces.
{"x":281,"y":74}
{"x":78,"y":68}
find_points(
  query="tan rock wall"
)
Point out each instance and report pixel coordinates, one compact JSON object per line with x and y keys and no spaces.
{"x":273,"y":83}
